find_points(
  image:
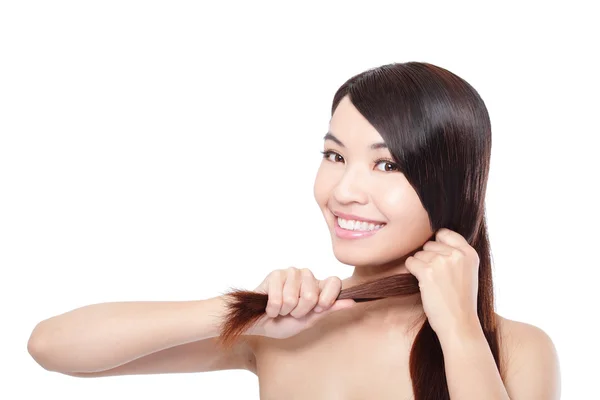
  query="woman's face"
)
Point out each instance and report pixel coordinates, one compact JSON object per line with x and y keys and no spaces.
{"x":359,"y":181}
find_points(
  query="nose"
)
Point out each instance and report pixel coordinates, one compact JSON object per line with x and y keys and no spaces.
{"x":351,"y":188}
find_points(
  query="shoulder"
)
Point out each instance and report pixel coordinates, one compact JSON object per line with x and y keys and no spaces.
{"x":529,"y":360}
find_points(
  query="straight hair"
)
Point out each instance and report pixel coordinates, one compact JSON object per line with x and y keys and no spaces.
{"x":438,"y":131}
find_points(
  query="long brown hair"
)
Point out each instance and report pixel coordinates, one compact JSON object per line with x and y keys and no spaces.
{"x":439,"y":133}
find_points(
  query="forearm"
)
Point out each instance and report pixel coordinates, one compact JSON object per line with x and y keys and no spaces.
{"x":102,"y":336}
{"x":471,"y":371}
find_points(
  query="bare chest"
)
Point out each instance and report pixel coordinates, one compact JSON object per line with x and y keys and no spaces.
{"x":338,"y":364}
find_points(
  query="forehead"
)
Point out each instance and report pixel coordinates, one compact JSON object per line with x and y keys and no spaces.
{"x":349,"y":125}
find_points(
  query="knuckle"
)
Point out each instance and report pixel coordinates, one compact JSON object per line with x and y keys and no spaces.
{"x":335,"y":283}
{"x":325,"y":302}
{"x":296,"y":313}
{"x":289,"y":300}
{"x":275,"y":301}
{"x":332,"y":279}
{"x":309,"y":295}
{"x":456,"y":253}
{"x":306,"y":272}
{"x":273,"y":307}
{"x":275,"y":274}
{"x":473,"y":252}
{"x":429,"y":274}
{"x":293,"y":272}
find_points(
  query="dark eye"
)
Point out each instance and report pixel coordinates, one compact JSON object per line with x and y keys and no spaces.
{"x":388,"y":165}
{"x":336,"y":157}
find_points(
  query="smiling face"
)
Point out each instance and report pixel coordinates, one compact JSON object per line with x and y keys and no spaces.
{"x":358,"y":177}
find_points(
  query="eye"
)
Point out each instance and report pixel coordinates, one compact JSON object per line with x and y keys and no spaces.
{"x":388,"y":165}
{"x":336,"y":157}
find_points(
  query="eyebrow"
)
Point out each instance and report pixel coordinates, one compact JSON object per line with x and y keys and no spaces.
{"x":331,"y":136}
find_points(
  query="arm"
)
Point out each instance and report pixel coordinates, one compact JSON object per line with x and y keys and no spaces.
{"x":471,"y":371}
{"x":532,"y":370}
{"x":136,"y":337}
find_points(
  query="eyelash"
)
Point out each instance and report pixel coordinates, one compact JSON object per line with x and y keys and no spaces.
{"x":327,"y":153}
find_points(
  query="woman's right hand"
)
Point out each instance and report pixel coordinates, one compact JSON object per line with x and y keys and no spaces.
{"x":297,"y":300}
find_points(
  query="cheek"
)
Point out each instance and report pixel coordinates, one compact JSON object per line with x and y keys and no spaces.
{"x":393,"y":200}
{"x":321,"y":187}
{"x":401,"y":204}
{"x":405,"y":209}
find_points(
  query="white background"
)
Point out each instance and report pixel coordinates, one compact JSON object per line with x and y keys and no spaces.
{"x":167,"y":150}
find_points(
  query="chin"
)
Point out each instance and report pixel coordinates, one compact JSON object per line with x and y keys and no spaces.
{"x":359,"y":253}
{"x":356,"y":256}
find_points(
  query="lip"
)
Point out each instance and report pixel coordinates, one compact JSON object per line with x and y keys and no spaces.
{"x":356,"y":218}
{"x":351,"y":234}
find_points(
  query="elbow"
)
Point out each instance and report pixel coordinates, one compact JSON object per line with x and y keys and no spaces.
{"x":36,"y":346}
{"x":49,"y":354}
{"x":39,"y":348}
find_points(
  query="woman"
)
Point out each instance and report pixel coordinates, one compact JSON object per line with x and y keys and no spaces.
{"x":402,"y":187}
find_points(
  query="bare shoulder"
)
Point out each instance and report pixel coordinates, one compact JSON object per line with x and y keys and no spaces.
{"x":529,"y":359}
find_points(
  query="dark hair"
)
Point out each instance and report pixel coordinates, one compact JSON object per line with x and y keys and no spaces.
{"x":439,"y":133}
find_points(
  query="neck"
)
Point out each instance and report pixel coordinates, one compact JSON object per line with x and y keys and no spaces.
{"x":393,"y":310}
{"x":371,"y":272}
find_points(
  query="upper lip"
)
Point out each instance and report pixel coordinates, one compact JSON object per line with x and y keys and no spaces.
{"x":355,"y":217}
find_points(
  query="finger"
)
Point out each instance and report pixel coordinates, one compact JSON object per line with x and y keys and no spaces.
{"x":331,"y":288}
{"x":426,"y":256}
{"x":312,"y":318}
{"x":341,"y":304}
{"x":274,"y":288}
{"x":309,"y":294}
{"x":451,"y":238}
{"x":291,"y":290}
{"x":415,"y":267}
{"x":438,"y":247}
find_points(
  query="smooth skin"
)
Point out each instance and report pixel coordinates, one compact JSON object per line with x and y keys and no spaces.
{"x":362,"y":348}
{"x":297,"y":301}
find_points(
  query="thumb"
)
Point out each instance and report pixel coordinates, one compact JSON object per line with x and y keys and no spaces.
{"x":340,"y":305}
{"x":313,"y":316}
{"x":336,"y":306}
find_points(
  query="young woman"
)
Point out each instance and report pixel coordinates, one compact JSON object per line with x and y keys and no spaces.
{"x":402,"y":187}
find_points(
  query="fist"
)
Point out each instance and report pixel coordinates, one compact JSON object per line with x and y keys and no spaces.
{"x":297,"y":300}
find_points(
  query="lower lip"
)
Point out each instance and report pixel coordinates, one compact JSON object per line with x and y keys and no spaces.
{"x":348,"y":234}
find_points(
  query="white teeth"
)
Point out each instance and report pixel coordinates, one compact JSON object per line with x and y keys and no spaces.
{"x":358,"y":225}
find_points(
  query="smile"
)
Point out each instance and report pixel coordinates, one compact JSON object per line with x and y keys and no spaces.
{"x":350,"y":229}
{"x":353,"y":225}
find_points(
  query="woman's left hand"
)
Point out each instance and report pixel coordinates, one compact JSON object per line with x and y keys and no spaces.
{"x":447,"y":271}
